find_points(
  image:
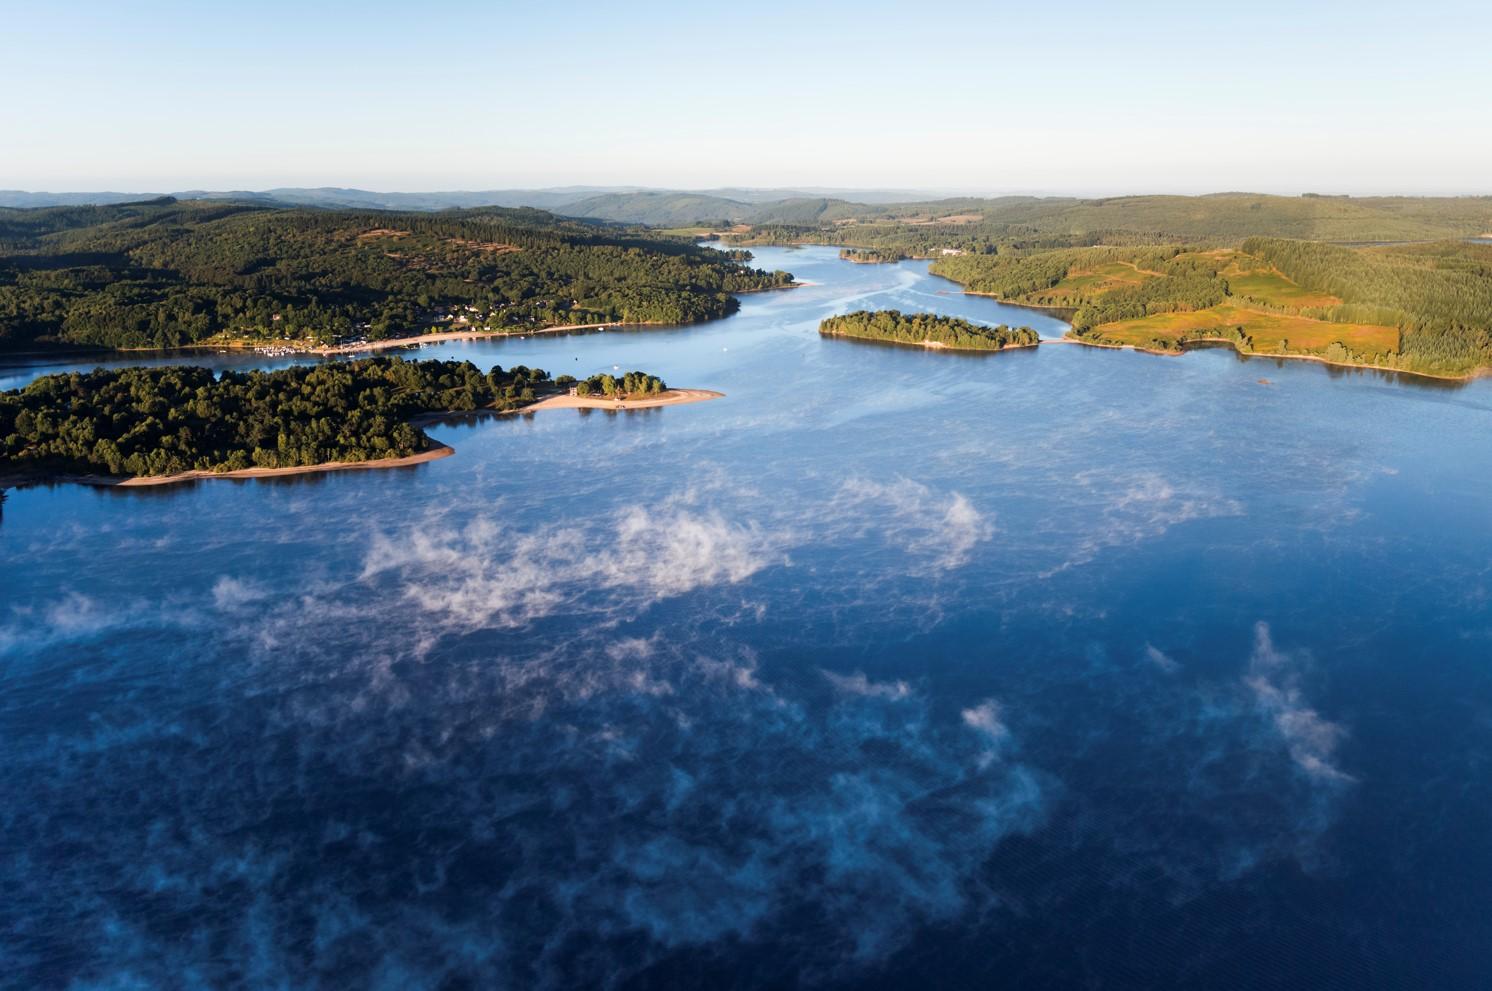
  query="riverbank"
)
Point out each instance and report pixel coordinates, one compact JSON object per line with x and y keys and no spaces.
{"x":928,"y":344}
{"x":294,"y":348}
{"x":1064,"y":313}
{"x":27,"y":478}
{"x":790,"y":285}
{"x":1216,"y":342}
{"x":669,"y":397}
{"x":434,"y":454}
{"x":469,"y":335}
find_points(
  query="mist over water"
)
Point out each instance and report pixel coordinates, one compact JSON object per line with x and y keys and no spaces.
{"x":1054,"y":668}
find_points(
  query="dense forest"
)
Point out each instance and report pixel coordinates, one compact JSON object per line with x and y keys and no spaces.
{"x":1139,"y":264}
{"x":1009,"y":275}
{"x":923,"y":329}
{"x":1439,"y":294}
{"x":1069,"y":220}
{"x":1072,"y":221}
{"x":166,"y":420}
{"x":165,"y":273}
{"x":979,"y":226}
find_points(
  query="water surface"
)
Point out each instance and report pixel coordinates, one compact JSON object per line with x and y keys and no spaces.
{"x":1057,"y":668}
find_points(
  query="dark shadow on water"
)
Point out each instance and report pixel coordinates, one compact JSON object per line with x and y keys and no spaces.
{"x":308,"y":479}
{"x":1385,"y":375}
{"x":950,"y":352}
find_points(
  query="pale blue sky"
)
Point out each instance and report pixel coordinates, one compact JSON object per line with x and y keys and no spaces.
{"x":1052,"y":97}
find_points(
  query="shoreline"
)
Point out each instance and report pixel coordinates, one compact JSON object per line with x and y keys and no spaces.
{"x":1051,"y":308}
{"x":1215,"y":342}
{"x":28,"y":479}
{"x":930,"y":345}
{"x":669,"y":397}
{"x":331,"y":350}
{"x":140,"y":481}
{"x":790,"y":285}
{"x":1071,"y":338}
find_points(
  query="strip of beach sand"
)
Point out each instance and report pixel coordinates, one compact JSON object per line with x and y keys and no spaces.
{"x":468,"y":335}
{"x":669,"y":397}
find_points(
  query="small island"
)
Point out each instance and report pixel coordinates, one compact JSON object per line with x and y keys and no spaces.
{"x":927,"y":330}
{"x":134,"y":426}
{"x":872,"y":256}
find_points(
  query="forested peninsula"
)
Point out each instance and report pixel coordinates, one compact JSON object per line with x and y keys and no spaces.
{"x":167,"y":421}
{"x":1420,"y":308}
{"x":1400,"y":283}
{"x":168,"y":273}
{"x":928,"y":330}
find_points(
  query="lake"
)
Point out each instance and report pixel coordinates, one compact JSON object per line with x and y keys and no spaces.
{"x":1058,"y":668}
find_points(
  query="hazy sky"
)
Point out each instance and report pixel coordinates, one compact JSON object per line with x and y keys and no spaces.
{"x":1056,"y":97}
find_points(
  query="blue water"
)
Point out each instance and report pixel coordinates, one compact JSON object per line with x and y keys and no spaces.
{"x":1057,"y":668}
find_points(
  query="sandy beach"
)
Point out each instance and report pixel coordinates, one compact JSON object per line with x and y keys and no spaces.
{"x":477,"y":335}
{"x":669,"y":397}
{"x":469,"y":335}
{"x":434,"y":454}
{"x":930,"y":345}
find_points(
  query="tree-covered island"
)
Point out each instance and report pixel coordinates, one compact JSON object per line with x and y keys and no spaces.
{"x":927,"y":330}
{"x":871,"y":256}
{"x":166,"y":421}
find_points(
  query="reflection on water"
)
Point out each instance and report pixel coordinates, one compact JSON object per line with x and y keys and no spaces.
{"x":1091,"y":667}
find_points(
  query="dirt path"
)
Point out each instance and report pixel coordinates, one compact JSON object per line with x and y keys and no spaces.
{"x":1143,"y":271}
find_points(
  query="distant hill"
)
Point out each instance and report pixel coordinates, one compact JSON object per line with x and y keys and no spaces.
{"x":1218,"y":217}
{"x":330,"y":197}
{"x":545,"y":199}
{"x":661,"y":209}
{"x":21,"y":199}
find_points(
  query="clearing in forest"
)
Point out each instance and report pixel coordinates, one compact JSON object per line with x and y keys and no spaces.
{"x":1271,"y":332}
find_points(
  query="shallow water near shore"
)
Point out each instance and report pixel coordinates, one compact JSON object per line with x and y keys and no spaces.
{"x":1061,"y":667}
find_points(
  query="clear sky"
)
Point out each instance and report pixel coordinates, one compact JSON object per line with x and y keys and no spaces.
{"x":1074,"y":96}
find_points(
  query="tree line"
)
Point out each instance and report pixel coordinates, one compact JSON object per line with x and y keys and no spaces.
{"x":1438,"y":294}
{"x":923,"y":328}
{"x":166,"y":420}
{"x":167,"y":273}
{"x":629,"y":385}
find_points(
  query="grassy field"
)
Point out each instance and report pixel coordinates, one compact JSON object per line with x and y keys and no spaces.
{"x":1245,"y":275}
{"x":1250,"y":276}
{"x":1271,"y":332}
{"x":687,"y":231}
{"x":1087,"y":283}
